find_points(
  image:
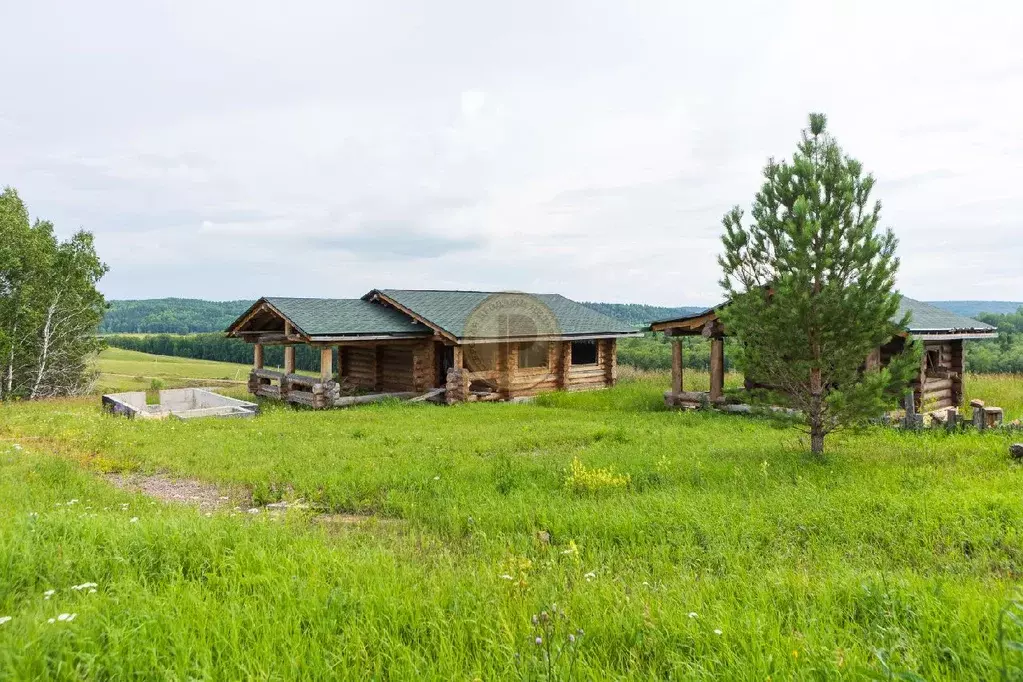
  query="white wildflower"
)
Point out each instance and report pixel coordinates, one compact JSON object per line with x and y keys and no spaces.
{"x":694,"y":614}
{"x":75,"y":501}
{"x":5,"y":619}
{"x":16,"y":446}
{"x":34,"y":515}
{"x":506,"y":577}
{"x":48,"y":593}
{"x":133,"y":519}
{"x":92,"y":591}
{"x":52,"y":620}
{"x":66,"y":617}
{"x":84,"y":586}
{"x":717,"y":632}
{"x":436,"y":478}
{"x":590,"y":576}
{"x":254,"y":510}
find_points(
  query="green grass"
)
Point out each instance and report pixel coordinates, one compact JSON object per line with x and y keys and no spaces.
{"x":900,"y":550}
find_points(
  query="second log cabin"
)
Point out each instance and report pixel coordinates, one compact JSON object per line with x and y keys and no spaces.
{"x":938,"y":385}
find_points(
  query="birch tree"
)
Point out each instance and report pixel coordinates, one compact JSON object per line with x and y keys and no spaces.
{"x":49,"y":306}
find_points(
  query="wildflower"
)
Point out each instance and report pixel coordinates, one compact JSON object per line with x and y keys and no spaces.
{"x":436,"y":478}
{"x":717,"y":632}
{"x":254,"y":510}
{"x":505,"y":576}
{"x":16,"y":446}
{"x":590,"y":576}
{"x":66,"y":617}
{"x":571,"y":638}
{"x":133,"y":519}
{"x":92,"y":591}
{"x":535,"y":619}
{"x":694,"y":614}
{"x":5,"y":619}
{"x":48,"y":593}
{"x":75,"y":501}
{"x":572,"y":549}
{"x":34,"y":515}
{"x":795,"y":654}
{"x":539,"y":641}
{"x":51,"y":620}
{"x":83,"y":586}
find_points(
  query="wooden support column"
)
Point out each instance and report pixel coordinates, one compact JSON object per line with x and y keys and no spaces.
{"x":289,"y":351}
{"x":326,"y":363}
{"x":677,"y":371}
{"x":717,"y":367}
{"x":257,"y":356}
{"x":457,"y":361}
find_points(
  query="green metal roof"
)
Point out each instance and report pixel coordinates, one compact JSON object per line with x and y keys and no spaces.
{"x":928,"y":318}
{"x":449,"y":310}
{"x":924,"y":319}
{"x":345,"y":317}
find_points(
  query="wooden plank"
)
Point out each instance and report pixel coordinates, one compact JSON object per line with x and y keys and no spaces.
{"x":372,"y":398}
{"x":429,"y":394}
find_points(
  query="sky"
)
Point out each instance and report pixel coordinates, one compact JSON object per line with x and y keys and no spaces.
{"x":227,"y":150}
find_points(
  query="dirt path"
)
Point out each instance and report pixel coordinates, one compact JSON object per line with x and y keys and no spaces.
{"x":181,"y":490}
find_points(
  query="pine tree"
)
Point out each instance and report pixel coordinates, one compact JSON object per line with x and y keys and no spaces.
{"x":811,"y":283}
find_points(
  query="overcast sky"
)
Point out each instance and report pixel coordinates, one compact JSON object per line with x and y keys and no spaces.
{"x":238,"y":149}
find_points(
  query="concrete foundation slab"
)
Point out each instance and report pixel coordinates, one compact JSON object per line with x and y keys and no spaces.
{"x":183,"y":403}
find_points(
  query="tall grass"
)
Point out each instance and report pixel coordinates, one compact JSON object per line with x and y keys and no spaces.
{"x":729,"y":554}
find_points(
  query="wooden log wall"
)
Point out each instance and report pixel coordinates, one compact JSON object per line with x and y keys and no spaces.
{"x":390,"y":368}
{"x":940,"y":382}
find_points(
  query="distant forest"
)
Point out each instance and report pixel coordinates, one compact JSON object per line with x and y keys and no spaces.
{"x":170,"y":316}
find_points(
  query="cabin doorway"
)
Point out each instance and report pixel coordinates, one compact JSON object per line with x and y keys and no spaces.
{"x":445,"y":361}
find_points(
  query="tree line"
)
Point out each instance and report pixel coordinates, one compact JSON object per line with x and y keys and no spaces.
{"x":49,"y":306}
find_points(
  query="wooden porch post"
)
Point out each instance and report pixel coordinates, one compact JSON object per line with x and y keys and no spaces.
{"x":677,"y":376}
{"x":457,"y":360}
{"x":326,"y":363}
{"x":289,"y":351}
{"x":717,"y":367}
{"x":565,"y":365}
{"x":257,"y":356}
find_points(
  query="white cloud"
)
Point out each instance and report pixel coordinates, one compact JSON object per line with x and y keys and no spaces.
{"x":577,"y":148}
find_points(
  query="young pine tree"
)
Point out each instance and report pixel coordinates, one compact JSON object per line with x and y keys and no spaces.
{"x":811,"y":282}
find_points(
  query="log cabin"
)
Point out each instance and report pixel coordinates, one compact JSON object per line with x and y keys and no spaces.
{"x":416,"y":344}
{"x":939,"y":384}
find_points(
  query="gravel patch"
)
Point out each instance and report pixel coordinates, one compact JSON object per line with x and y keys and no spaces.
{"x":206,"y":496}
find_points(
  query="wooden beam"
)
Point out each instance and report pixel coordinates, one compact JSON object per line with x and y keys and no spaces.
{"x":326,"y":363}
{"x":676,"y":366}
{"x":717,"y":368}
{"x":257,"y":356}
{"x":457,"y":362}
{"x":289,"y":352}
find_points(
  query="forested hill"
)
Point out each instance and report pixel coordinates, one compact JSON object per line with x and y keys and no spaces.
{"x":170,"y":316}
{"x":975,"y":308}
{"x":190,"y":315}
{"x":639,"y":314}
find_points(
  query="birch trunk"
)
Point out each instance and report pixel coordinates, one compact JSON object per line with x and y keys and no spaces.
{"x":47,"y":333}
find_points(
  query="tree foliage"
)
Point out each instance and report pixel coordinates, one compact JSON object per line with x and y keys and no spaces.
{"x":49,"y":305}
{"x":811,"y":282}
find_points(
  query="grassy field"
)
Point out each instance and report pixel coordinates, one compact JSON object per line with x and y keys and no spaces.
{"x":128,"y":370}
{"x":684,"y":546}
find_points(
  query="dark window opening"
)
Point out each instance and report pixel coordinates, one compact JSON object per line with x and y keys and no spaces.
{"x":584,"y":352}
{"x":481,"y":357}
{"x":533,"y":355}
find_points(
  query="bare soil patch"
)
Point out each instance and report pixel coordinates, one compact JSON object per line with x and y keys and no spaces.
{"x":206,"y":496}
